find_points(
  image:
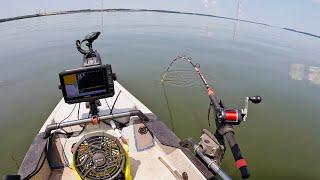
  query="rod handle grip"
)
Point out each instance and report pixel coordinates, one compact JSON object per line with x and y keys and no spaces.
{"x":241,"y":163}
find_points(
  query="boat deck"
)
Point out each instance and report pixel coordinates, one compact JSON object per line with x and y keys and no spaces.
{"x":149,"y":159}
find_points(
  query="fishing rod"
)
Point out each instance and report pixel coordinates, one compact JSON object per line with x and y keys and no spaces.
{"x":225,"y":118}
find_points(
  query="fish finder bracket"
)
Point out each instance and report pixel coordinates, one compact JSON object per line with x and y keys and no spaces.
{"x":90,"y":57}
{"x":91,"y":82}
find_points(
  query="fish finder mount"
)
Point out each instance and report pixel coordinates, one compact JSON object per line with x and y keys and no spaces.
{"x":90,"y":57}
{"x":92,"y":81}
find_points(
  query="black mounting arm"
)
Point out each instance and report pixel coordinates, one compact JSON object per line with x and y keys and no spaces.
{"x":90,"y":57}
{"x":89,"y":38}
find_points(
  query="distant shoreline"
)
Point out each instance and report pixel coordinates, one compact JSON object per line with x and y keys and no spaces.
{"x":144,"y":10}
{"x":301,"y":32}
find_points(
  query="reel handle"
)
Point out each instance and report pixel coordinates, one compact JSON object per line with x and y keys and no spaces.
{"x":255,"y":99}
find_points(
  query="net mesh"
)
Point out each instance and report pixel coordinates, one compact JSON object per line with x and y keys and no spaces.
{"x":181,"y":72}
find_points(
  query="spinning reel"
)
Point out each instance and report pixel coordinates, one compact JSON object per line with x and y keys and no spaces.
{"x":236,"y":116}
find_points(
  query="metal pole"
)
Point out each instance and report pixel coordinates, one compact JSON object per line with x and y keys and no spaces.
{"x":55,"y":126}
{"x":211,"y":164}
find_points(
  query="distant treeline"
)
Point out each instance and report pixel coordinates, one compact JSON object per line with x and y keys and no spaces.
{"x":306,"y":33}
{"x":19,"y":17}
{"x":143,"y":10}
{"x":126,"y":10}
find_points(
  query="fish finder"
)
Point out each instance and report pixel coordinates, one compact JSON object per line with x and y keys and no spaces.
{"x":87,"y":84}
{"x":91,"y":82}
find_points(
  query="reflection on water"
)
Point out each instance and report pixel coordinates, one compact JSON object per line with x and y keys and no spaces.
{"x":297,"y":72}
{"x":99,"y":5}
{"x":2,"y":84}
{"x":206,"y":3}
{"x":205,"y":30}
{"x":236,"y":26}
{"x":314,"y":75}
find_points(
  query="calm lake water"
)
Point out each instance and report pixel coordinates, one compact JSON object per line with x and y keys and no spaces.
{"x":280,"y":138}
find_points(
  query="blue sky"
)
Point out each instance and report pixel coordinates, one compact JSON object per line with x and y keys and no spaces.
{"x":299,"y":14}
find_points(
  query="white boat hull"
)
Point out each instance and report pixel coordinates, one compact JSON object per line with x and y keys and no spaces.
{"x":160,"y":160}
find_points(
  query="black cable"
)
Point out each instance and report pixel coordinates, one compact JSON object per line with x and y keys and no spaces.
{"x":114,"y":103}
{"x":78,"y":111}
{"x":111,"y":109}
{"x":107,"y":104}
{"x":65,"y":131}
{"x":71,"y":134}
{"x":46,"y":151}
{"x":68,"y":134}
{"x":83,"y":127}
{"x":55,"y":132}
{"x":67,"y":116}
{"x":64,"y":120}
{"x":47,"y":148}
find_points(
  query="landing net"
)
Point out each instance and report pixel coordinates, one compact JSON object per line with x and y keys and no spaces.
{"x":180,"y":73}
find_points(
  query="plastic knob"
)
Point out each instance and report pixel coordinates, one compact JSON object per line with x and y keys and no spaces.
{"x":255,"y":99}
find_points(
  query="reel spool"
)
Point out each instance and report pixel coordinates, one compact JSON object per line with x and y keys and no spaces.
{"x":99,"y":156}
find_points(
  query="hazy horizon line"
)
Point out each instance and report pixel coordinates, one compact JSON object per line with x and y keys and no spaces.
{"x":2,"y":20}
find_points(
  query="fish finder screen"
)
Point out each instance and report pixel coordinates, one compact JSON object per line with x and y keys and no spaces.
{"x":86,"y":84}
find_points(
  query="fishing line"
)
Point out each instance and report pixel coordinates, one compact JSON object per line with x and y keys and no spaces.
{"x":168,"y":106}
{"x":180,"y":77}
